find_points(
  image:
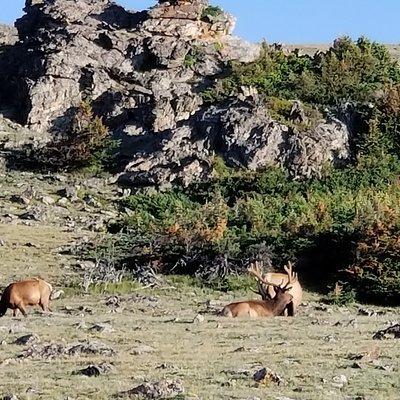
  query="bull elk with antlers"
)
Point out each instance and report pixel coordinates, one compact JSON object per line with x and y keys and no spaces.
{"x":268,"y":307}
{"x":268,"y":291}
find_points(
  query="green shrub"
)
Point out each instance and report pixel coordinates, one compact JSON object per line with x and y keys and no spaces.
{"x":211,"y":13}
{"x":222,"y":223}
{"x":347,"y":71}
{"x":341,"y":295}
{"x":86,"y":145}
{"x":375,"y":272}
{"x":190,"y":60}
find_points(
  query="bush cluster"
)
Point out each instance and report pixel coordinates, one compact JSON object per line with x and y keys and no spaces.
{"x":214,"y":228}
{"x":344,"y":227}
{"x":347,"y":71}
{"x":86,"y":145}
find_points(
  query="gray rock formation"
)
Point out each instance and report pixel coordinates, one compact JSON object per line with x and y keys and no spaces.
{"x":144,"y":68}
{"x":8,"y":35}
{"x":245,"y":136}
{"x":144,"y":73}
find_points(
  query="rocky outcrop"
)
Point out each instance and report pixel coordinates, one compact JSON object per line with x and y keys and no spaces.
{"x":144,"y":73}
{"x":8,"y":35}
{"x":244,"y":135}
{"x":141,"y":68}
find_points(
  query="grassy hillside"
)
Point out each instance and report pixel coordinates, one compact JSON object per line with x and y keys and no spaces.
{"x":155,"y":336}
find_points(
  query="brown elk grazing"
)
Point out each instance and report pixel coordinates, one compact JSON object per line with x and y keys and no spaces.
{"x":265,"y":307}
{"x":19,"y":295}
{"x":269,"y":292}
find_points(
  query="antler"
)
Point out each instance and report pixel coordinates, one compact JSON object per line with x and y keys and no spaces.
{"x":292,"y":276}
{"x":255,"y":270}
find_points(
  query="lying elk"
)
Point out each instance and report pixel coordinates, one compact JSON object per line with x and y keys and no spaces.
{"x":265,"y":307}
{"x":268,"y":291}
{"x":19,"y":295}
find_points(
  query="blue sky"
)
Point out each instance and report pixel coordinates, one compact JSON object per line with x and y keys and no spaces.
{"x":291,"y":21}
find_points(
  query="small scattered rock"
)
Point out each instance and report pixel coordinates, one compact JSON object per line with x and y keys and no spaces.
{"x":113,"y":303}
{"x":353,"y":323}
{"x":91,"y":348}
{"x":31,"y":391}
{"x":165,"y":389}
{"x":85,"y":309}
{"x":198,"y":319}
{"x":32,"y":215}
{"x":10,"y":397}
{"x":10,"y":217}
{"x":95,"y":370}
{"x":339,"y":381}
{"x":330,"y":338}
{"x":21,"y":199}
{"x":371,"y":355}
{"x":62,"y":202}
{"x":86,"y":264}
{"x":91,"y":201}
{"x":54,"y":350}
{"x":80,"y":325}
{"x":142,"y":349}
{"x":30,"y":244}
{"x":49,"y":351}
{"x":283,"y":398}
{"x":103,"y":328}
{"x":27,"y":340}
{"x":48,"y":200}
{"x":393,"y":332}
{"x":69,"y":192}
{"x":370,"y":313}
{"x":266,"y":376}
{"x":57,"y":294}
{"x":386,"y":368}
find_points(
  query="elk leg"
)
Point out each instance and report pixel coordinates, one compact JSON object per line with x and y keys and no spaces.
{"x":21,"y":308}
{"x":15,"y":312}
{"x":45,"y":306}
{"x":290,"y":309}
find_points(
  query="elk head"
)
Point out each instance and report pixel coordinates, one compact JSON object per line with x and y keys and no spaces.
{"x":263,"y":284}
